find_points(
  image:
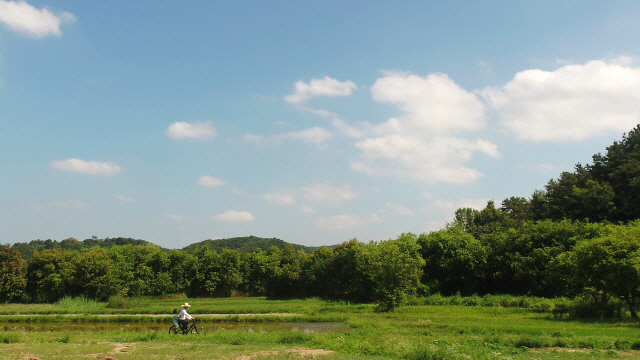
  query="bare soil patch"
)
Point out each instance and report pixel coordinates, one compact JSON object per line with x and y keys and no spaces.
{"x":301,"y":352}
{"x":570,"y":350}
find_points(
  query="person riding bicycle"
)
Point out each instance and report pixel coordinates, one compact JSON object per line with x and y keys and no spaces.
{"x":184,"y":317}
{"x":175,"y":321}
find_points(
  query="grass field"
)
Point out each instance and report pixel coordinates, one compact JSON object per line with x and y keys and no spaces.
{"x":259,"y":328}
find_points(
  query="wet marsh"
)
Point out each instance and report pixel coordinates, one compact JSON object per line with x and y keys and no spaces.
{"x":314,"y":329}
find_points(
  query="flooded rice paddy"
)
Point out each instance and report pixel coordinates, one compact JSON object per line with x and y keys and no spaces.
{"x":303,"y":327}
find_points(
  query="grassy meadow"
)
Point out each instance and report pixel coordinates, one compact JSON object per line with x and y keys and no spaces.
{"x":260,"y":328}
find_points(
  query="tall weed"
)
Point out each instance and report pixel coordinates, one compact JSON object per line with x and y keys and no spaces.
{"x":79,"y":304}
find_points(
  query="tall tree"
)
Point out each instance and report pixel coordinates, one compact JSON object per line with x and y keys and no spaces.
{"x":620,"y":168}
{"x":12,"y":275}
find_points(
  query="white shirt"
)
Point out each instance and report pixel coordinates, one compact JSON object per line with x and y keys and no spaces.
{"x":184,"y":315}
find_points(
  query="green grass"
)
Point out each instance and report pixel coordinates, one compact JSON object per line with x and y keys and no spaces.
{"x":417,"y":331}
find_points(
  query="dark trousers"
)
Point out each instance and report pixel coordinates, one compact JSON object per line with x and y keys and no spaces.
{"x":184,"y":324}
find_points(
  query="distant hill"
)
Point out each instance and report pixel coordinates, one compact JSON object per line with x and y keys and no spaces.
{"x":27,"y":249}
{"x":245,"y":244}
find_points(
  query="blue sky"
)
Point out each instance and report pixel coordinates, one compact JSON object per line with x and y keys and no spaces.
{"x":313,"y":122}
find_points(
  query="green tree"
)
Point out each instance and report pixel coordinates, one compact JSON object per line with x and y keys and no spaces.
{"x":208,"y":276}
{"x":94,"y":274}
{"x":454,"y":261}
{"x":231,"y":275}
{"x":518,"y":208}
{"x":620,"y":169}
{"x":610,"y":266}
{"x":50,"y":274}
{"x":395,"y":268}
{"x":12,"y":275}
{"x":182,"y":270}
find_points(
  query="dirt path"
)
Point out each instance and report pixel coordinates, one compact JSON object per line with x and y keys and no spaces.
{"x":160,"y":315}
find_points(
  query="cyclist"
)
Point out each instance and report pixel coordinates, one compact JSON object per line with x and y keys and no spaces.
{"x":184,"y":317}
{"x":175,"y":321}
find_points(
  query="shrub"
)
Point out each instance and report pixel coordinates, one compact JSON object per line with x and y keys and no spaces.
{"x":79,"y":304}
{"x":293,"y":338}
{"x":10,"y":338}
{"x":531,"y":342}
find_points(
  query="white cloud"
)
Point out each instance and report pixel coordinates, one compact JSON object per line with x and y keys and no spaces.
{"x":196,"y":130}
{"x":571,"y":103}
{"x":232,"y":216}
{"x":340,"y":222}
{"x":125,"y":198}
{"x":253,"y":138}
{"x":326,"y":193}
{"x":315,"y":135}
{"x":62,"y":204}
{"x":400,"y":209}
{"x":308,"y":209}
{"x":175,"y":217}
{"x":320,"y":87}
{"x":449,"y":207}
{"x":210,"y":181}
{"x":280,"y":198}
{"x":435,"y":104}
{"x":419,"y":143}
{"x":438,"y":159}
{"x":90,"y":167}
{"x":24,"y":18}
{"x":337,"y":122}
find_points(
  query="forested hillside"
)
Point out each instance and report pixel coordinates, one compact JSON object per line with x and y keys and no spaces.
{"x":244,"y":244}
{"x":578,"y":238}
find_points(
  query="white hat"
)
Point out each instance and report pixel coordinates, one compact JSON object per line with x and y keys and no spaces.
{"x":186,"y":305}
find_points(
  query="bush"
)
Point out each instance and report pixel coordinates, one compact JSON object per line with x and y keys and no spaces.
{"x":293,"y":338}
{"x":586,"y":309}
{"x":79,"y":304}
{"x":10,"y":338}
{"x":531,"y":342}
{"x":118,"y":302}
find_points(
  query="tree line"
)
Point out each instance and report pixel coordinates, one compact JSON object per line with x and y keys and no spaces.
{"x":580,"y":237}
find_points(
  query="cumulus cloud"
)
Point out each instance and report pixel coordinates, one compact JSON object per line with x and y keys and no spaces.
{"x":327,"y":193}
{"x":571,"y":103}
{"x":421,"y":142}
{"x":196,"y":130}
{"x":280,"y":198}
{"x":315,"y":135}
{"x":450,"y":207}
{"x":320,"y":87}
{"x":174,"y":217}
{"x":435,"y":104}
{"x":62,"y":204}
{"x":90,"y":167}
{"x":24,"y":18}
{"x":210,"y":181}
{"x":338,"y":123}
{"x":400,"y":209}
{"x":232,"y":216}
{"x":340,"y":222}
{"x":308,"y":209}
{"x":125,"y":198}
{"x":437,"y":159}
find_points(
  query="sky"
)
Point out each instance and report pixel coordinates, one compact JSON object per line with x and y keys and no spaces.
{"x":314,"y":122}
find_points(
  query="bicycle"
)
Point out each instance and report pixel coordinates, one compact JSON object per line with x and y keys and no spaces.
{"x":192,"y":329}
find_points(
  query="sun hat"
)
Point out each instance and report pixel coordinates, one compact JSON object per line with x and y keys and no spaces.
{"x":186,"y":305}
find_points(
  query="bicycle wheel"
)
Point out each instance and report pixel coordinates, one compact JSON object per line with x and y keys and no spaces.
{"x":199,"y":330}
{"x":173,"y":330}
